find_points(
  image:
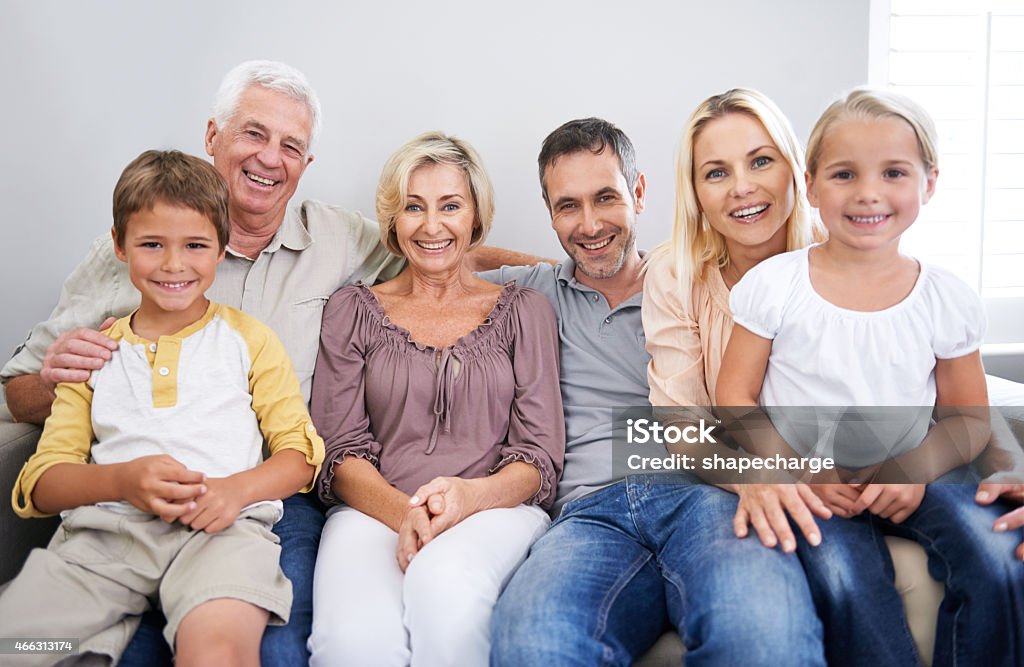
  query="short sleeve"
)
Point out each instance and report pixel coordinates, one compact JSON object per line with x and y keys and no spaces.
{"x":676,"y":370}
{"x":338,"y":400}
{"x":98,"y":288}
{"x":372,"y":260}
{"x":758,"y":300}
{"x":958,"y":313}
{"x":524,"y":276}
{"x":536,"y":432}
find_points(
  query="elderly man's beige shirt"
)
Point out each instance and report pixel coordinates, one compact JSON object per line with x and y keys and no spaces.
{"x":318,"y":249}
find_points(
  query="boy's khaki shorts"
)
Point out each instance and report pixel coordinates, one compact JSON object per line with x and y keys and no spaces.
{"x":102,"y":569}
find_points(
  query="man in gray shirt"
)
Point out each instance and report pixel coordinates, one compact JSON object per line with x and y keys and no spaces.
{"x":627,"y":559}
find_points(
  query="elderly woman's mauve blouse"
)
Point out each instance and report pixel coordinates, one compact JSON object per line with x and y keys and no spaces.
{"x":419,"y":412}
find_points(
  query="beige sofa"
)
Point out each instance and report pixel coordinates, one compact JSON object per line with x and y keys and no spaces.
{"x":921,"y":594}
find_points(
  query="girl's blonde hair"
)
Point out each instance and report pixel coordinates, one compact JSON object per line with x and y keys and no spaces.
{"x":432,"y":148}
{"x":871,"y":104}
{"x":695,"y":246}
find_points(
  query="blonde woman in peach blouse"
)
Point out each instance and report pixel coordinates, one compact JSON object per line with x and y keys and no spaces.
{"x":740,"y":198}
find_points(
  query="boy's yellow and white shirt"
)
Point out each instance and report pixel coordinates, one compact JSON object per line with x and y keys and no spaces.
{"x":208,"y":395}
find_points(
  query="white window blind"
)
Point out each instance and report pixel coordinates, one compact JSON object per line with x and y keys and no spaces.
{"x":964,"y":61}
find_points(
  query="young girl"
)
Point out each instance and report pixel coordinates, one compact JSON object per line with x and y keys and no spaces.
{"x":852,"y":322}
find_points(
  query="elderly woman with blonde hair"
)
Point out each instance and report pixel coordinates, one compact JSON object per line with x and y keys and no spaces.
{"x":437,"y":396}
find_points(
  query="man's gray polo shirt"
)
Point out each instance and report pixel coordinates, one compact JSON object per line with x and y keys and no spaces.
{"x":604,"y":365}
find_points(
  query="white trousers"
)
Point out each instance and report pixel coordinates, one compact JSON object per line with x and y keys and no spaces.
{"x":366,"y":612}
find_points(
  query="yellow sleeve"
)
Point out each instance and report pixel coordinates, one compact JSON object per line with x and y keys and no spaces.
{"x":276,"y":396}
{"x":67,"y":438}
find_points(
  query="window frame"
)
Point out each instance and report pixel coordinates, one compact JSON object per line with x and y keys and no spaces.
{"x":1005,"y":331}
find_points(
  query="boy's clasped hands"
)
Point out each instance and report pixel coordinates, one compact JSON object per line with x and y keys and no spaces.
{"x":161,"y":485}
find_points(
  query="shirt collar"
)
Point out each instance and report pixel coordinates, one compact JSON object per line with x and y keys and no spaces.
{"x":565,"y":272}
{"x":292,"y":234}
{"x":123,"y":327}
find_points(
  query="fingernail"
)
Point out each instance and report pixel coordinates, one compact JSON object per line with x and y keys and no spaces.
{"x":788,"y":546}
{"x":814,"y":539}
{"x":202,"y":489}
{"x":1001,"y":528}
{"x":408,"y":558}
{"x":982,"y":495}
{"x":415,"y":500}
{"x":192,"y":505}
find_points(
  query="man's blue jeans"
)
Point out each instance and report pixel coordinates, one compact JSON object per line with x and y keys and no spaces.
{"x":283,"y":645}
{"x":627,"y":562}
{"x":981,"y":619}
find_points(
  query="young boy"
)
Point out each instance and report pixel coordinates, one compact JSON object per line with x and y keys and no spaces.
{"x":175,"y":507}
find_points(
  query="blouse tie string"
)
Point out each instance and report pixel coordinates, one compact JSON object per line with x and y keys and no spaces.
{"x":444,"y":384}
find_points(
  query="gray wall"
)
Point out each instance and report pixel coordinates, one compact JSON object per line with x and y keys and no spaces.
{"x":89,"y":84}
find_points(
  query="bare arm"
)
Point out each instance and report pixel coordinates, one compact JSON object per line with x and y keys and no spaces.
{"x":486,"y":258}
{"x":743,"y":368}
{"x":1003,"y":456}
{"x":962,"y":428}
{"x":764,"y":506}
{"x":29,"y":399}
{"x":358,"y":484}
{"x":739,"y":386}
{"x":283,"y":474}
{"x":280,"y":476}
{"x":157,"y":484}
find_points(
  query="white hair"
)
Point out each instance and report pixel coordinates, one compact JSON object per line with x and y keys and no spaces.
{"x":269,"y":74}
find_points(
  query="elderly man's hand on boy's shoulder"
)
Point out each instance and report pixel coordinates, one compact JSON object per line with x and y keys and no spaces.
{"x":75,"y":354}
{"x":218,"y":507}
{"x":1000,"y":486}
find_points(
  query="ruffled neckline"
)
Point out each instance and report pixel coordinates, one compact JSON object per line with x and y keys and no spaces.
{"x":497,"y":312}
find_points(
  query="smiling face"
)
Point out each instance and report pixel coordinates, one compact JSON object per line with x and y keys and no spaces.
{"x":744,"y":184}
{"x":435,"y":228}
{"x":870,"y":182}
{"x":593,"y":211}
{"x":172,"y":254}
{"x":261,"y":152}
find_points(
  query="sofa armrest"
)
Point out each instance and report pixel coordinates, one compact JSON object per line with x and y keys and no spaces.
{"x":17,"y":443}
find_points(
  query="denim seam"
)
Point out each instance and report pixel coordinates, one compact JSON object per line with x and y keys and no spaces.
{"x":670,"y":574}
{"x":609,"y":600}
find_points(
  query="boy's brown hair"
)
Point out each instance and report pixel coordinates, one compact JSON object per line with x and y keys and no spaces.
{"x":173,"y":178}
